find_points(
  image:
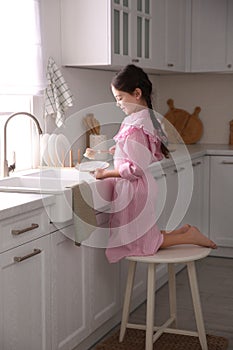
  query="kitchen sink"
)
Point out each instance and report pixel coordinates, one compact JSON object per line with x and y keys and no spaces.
{"x":62,"y":174}
{"x":57,"y":182}
{"x":34,"y":184}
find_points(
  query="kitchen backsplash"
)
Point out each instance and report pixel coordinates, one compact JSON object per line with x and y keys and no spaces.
{"x":212,"y":92}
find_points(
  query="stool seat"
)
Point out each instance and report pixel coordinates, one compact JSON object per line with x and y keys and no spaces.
{"x":174,"y":254}
{"x":184,"y":254}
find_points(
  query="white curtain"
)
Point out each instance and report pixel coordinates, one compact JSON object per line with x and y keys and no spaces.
{"x":21,"y":69}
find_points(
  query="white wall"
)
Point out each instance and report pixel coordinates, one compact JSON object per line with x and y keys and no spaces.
{"x":212,"y":92}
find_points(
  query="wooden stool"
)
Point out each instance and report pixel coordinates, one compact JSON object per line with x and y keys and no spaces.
{"x":177,"y":254}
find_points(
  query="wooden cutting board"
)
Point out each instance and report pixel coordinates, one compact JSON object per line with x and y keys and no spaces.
{"x":183,"y":126}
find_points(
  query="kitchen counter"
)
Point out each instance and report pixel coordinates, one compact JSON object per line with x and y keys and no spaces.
{"x":12,"y":204}
{"x":16,"y":203}
{"x":181,"y":153}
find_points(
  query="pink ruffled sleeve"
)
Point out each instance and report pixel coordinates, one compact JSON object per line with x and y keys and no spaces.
{"x":134,"y":154}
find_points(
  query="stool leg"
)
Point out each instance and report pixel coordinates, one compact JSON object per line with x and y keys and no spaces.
{"x":172,"y":291}
{"x":197,"y":304}
{"x":128,"y":293}
{"x":150,"y":306}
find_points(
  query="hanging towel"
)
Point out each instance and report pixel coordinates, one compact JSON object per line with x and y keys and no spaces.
{"x":83,"y":212}
{"x":57,"y":94}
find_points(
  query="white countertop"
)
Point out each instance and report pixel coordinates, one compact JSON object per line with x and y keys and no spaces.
{"x":12,"y":204}
{"x":181,"y":153}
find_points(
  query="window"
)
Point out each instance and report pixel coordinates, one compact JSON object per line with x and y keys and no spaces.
{"x":22,"y":136}
{"x":21,"y":77}
{"x":21,"y":50}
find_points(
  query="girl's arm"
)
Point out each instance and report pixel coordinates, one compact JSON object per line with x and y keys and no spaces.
{"x":103,"y":173}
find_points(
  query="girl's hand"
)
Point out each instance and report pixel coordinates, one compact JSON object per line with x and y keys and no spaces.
{"x":112,"y":150}
{"x":104,"y":173}
{"x":100,"y":173}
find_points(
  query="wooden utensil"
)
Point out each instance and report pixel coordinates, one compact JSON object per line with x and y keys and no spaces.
{"x":92,"y":126}
{"x":188,"y":126}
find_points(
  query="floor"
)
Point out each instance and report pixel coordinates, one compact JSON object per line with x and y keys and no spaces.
{"x":215,"y":277}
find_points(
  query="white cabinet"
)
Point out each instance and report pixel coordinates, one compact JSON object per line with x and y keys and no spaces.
{"x":194,"y":214}
{"x":180,"y":182}
{"x":104,"y":287}
{"x":221,"y":194}
{"x":25,"y":297}
{"x":70,"y":294}
{"x":106,"y":33}
{"x":170,"y":36}
{"x":159,"y":35}
{"x":23,"y":228}
{"x":212,"y":32}
{"x":85,"y":291}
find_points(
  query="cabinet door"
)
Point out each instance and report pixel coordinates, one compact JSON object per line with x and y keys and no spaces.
{"x":121,"y":22}
{"x":85,"y":32}
{"x":106,"y":33}
{"x":104,"y":287}
{"x":132,"y":32}
{"x":70,"y":293}
{"x":179,"y":192}
{"x":142,"y":33}
{"x":221,"y":194}
{"x":212,"y":32}
{"x":170,"y":33}
{"x":194,"y":214}
{"x":25,"y":297}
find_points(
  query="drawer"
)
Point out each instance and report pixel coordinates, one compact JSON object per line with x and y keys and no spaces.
{"x":23,"y":228}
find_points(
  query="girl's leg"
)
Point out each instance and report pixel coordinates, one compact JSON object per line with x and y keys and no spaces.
{"x":182,"y":229}
{"x":191,"y":236}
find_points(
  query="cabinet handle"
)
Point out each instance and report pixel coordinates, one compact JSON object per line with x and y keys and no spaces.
{"x":195,"y":164}
{"x":25,"y":257}
{"x":229,"y":65}
{"x":170,"y":65}
{"x":19,"y":232}
{"x":135,"y":60}
{"x":226,"y":162}
{"x":179,"y":170}
{"x":160,"y":177}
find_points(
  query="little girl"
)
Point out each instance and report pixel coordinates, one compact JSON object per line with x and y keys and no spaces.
{"x":139,"y":142}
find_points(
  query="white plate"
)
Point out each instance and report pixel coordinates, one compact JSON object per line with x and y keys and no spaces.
{"x":62,"y":147}
{"x":92,"y":165}
{"x":44,"y":149}
{"x":52,"y":151}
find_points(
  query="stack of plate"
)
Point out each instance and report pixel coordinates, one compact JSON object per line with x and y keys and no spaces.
{"x":54,"y":149}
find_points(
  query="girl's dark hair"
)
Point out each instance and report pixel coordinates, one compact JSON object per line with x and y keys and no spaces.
{"x":132,"y":77}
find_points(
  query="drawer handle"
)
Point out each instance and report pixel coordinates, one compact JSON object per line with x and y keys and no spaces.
{"x":135,"y":60}
{"x":226,"y":162}
{"x":160,"y":177}
{"x":197,"y":163}
{"x":19,"y":232}
{"x":170,"y":65}
{"x":179,"y":170}
{"x":25,"y":257}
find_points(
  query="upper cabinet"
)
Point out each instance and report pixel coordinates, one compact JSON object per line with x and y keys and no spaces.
{"x":171,"y":31}
{"x":212,"y":33}
{"x":158,"y":35}
{"x":106,"y":33}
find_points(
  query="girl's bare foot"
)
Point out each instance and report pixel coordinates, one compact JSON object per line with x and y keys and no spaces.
{"x":190,"y":236}
{"x":182,"y":229}
{"x":200,"y":239}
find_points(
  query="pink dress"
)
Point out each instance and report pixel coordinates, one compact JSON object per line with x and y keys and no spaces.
{"x":133,"y":229}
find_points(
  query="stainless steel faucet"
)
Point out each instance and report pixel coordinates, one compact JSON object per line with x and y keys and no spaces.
{"x":7,"y":168}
